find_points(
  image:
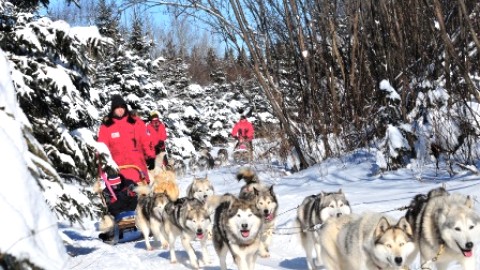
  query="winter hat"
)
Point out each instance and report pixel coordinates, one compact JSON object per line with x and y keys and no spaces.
{"x":154,"y":115}
{"x":118,"y":101}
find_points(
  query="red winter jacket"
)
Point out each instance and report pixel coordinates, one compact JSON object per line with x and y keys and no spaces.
{"x":157,"y":135}
{"x":243,"y":128}
{"x":129,"y":144}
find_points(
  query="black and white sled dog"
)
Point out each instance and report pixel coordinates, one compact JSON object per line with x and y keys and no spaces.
{"x":237,"y":227}
{"x":149,"y":214}
{"x":368,"y":242}
{"x":313,"y":212}
{"x":266,"y":202}
{"x":189,"y":219}
{"x":446,"y":229}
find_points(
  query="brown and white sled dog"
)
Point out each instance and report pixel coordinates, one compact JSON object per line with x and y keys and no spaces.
{"x":313,"y":212}
{"x":266,"y":202}
{"x":150,"y":213}
{"x":164,"y":180}
{"x":446,"y":229}
{"x":371,"y":241}
{"x":237,"y":227}
{"x":189,"y":219}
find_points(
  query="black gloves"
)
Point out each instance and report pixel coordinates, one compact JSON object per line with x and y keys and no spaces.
{"x":150,"y":163}
{"x":159,"y":147}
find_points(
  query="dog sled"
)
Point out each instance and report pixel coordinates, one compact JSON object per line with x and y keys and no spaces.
{"x":124,"y":221}
{"x":242,"y":152}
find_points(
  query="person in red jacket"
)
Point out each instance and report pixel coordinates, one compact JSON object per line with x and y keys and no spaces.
{"x":158,"y":135}
{"x":126,"y":137}
{"x":243,"y":131}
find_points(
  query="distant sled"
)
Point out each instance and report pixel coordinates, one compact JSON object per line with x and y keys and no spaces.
{"x":242,"y":154}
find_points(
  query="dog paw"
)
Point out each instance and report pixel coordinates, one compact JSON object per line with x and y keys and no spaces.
{"x":265,"y":255}
{"x":318,"y":262}
{"x":173,"y":261}
{"x":205,"y":262}
{"x":164,"y":245}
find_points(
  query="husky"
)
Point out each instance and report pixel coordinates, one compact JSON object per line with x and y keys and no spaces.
{"x":222,"y":157}
{"x":200,"y":188}
{"x":149,"y":215}
{"x":164,"y":181}
{"x":189,"y":219}
{"x":370,"y":241}
{"x":205,"y":161}
{"x":446,"y":229}
{"x":314,"y":211}
{"x":237,"y":227}
{"x":266,"y":202}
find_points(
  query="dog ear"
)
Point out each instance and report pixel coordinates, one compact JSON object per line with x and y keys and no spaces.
{"x":340,"y":191}
{"x":405,"y":226}
{"x":255,"y":191}
{"x":271,"y":191}
{"x":382,"y":226}
{"x":469,"y":202}
{"x":440,"y":216}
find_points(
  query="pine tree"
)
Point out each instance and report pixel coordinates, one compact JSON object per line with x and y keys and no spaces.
{"x":138,"y":37}
{"x":107,"y":19}
{"x":52,"y":68}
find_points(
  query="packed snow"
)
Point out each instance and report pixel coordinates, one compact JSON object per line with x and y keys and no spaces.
{"x":366,"y":188}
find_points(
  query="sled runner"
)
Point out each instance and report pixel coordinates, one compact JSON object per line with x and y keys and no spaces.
{"x":124,"y":222}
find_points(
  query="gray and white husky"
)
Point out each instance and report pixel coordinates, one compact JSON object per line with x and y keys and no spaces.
{"x":149,"y":214}
{"x":371,"y":241}
{"x":200,"y":188}
{"x":314,"y":211}
{"x":189,"y":219}
{"x":446,"y":229}
{"x":266,"y":202}
{"x":237,"y":227}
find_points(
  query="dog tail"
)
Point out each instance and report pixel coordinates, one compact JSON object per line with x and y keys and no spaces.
{"x":142,"y":190}
{"x":214,"y":201}
{"x":106,"y":223}
{"x":248,"y":175}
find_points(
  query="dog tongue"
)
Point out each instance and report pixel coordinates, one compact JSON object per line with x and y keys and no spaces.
{"x":269,"y":217}
{"x":200,"y":235}
{"x":467,"y":253}
{"x":245,"y":233}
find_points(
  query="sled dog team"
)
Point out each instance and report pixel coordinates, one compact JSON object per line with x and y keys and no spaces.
{"x":440,"y":227}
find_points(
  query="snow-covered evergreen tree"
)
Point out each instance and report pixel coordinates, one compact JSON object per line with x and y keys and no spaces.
{"x":51,"y":62}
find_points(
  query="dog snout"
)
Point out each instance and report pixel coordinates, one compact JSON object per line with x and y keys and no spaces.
{"x":199,"y":231}
{"x":469,"y":245}
{"x":265,"y":211}
{"x":398,"y":260}
{"x":339,"y":214}
{"x":205,"y":196}
{"x":244,"y":226}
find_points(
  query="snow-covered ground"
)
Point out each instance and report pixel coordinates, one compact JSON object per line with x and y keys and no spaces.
{"x":365,"y":190}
